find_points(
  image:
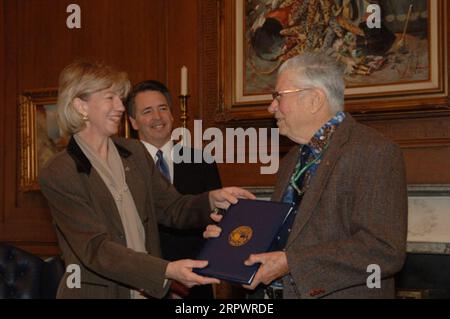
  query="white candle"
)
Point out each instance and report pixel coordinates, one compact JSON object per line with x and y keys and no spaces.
{"x":184,"y":80}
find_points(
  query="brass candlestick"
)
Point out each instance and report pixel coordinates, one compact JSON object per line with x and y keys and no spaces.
{"x":183,"y":115}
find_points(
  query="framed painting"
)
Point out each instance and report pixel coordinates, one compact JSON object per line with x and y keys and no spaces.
{"x":40,"y":134}
{"x":399,"y":65}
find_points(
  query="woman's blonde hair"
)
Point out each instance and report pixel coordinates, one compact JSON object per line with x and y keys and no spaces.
{"x":80,"y":79}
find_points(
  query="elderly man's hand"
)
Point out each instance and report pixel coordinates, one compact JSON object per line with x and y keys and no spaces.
{"x":273,"y":266}
{"x":224,"y":197}
{"x":213,"y":231}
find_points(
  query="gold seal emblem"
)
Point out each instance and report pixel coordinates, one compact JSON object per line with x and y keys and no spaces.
{"x":240,"y":236}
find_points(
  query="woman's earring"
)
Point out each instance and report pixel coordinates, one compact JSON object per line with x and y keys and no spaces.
{"x":85,"y":117}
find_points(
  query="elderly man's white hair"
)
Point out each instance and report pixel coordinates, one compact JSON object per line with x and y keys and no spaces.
{"x":319,"y":70}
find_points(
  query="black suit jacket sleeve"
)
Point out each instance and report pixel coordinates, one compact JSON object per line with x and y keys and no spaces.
{"x":196,"y":178}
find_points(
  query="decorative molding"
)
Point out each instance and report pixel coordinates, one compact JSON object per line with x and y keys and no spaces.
{"x":209,"y":59}
{"x":2,"y":106}
{"x":428,"y":190}
{"x":413,"y":190}
{"x":41,"y":249}
{"x":261,"y":192}
{"x":44,"y":96}
{"x":438,"y":111}
{"x":428,"y":248}
{"x":415,"y":132}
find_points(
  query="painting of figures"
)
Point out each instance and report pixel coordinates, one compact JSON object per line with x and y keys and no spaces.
{"x":396,"y":51}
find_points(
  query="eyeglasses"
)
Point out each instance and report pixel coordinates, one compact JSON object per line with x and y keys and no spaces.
{"x":278,"y":94}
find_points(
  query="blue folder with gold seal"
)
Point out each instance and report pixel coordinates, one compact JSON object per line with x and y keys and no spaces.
{"x":248,"y":227}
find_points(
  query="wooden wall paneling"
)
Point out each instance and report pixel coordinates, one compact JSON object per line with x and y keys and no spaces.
{"x":9,"y":112}
{"x":208,"y":65}
{"x":447,"y":42}
{"x":25,"y":223}
{"x":20,"y":226}
{"x":427,"y":165}
{"x":126,"y":36}
{"x":162,"y":44}
{"x":209,"y":57}
{"x":39,"y":45}
{"x":182,"y":49}
{"x":244,"y":175}
{"x":2,"y":106}
{"x":425,"y":141}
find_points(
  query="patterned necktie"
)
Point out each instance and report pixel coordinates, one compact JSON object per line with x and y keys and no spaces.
{"x":161,"y":164}
{"x":291,"y":196}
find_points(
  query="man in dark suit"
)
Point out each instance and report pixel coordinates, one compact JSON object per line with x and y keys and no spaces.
{"x":149,"y":108}
{"x":347,"y":238}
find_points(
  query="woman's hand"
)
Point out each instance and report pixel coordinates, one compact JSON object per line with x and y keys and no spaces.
{"x":181,"y":270}
{"x":213,"y":231}
{"x":224,"y":197}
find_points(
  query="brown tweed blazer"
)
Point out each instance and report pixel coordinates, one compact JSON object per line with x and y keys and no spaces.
{"x":89,"y":228}
{"x":353,"y":215}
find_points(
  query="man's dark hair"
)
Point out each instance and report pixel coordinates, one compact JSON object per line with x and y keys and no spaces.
{"x":150,"y":85}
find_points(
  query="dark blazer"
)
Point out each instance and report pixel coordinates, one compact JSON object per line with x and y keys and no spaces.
{"x":89,"y":228}
{"x":189,"y":178}
{"x":353,"y":215}
{"x":196,"y":178}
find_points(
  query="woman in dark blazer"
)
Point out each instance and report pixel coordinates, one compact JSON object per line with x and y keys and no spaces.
{"x":106,"y":202}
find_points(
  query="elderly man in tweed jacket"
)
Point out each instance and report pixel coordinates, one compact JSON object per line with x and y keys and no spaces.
{"x":348,"y":183}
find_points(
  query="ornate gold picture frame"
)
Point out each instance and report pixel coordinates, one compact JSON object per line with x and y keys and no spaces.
{"x":246,"y":80}
{"x":40,"y":137}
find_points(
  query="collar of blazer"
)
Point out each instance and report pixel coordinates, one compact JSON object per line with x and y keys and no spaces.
{"x":100,"y":191}
{"x":320,"y":180}
{"x":82,"y":162}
